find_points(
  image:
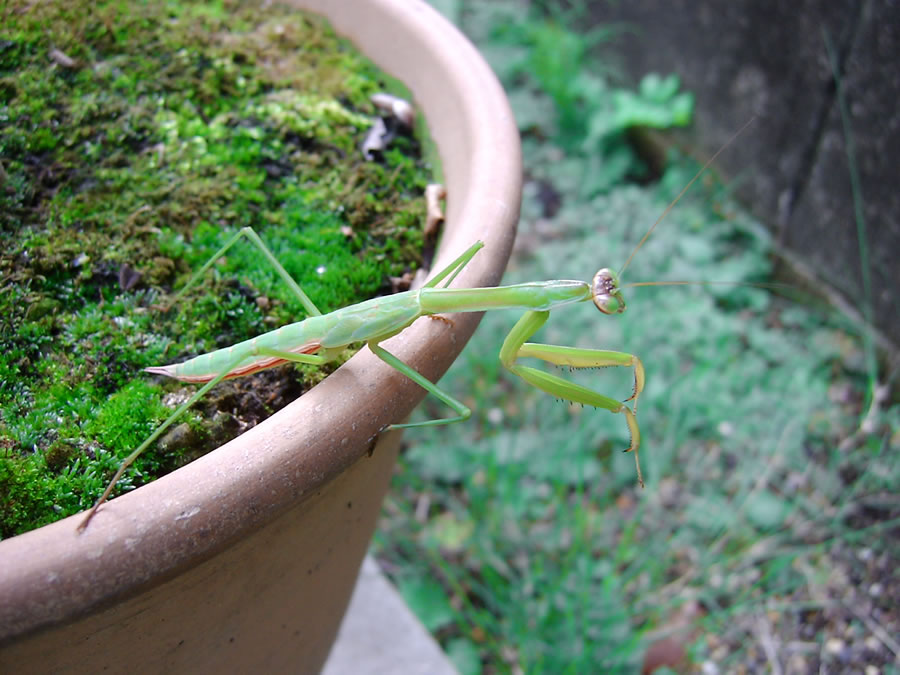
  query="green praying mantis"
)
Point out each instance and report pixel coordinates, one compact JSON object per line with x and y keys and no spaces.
{"x":320,"y":338}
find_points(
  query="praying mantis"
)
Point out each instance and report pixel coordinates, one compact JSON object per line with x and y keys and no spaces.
{"x":320,"y":338}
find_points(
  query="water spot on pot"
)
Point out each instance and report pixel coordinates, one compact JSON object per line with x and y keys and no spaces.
{"x":190,"y":513}
{"x":95,"y":553}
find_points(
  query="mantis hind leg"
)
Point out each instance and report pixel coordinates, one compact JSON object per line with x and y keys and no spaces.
{"x":254,"y":239}
{"x":515,"y":347}
{"x":239,"y":357}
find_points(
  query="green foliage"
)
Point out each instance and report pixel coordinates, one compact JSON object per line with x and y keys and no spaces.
{"x":535,"y":526}
{"x":591,"y":113}
{"x":556,"y":61}
{"x":464,"y":655}
{"x":175,"y":125}
{"x":427,"y":599}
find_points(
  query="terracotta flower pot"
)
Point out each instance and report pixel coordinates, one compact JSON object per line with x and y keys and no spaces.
{"x":247,"y":557}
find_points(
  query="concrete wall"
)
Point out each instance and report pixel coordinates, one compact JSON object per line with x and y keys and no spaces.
{"x":768,"y":58}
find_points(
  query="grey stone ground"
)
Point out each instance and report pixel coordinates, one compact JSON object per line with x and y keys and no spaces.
{"x":381,"y":635}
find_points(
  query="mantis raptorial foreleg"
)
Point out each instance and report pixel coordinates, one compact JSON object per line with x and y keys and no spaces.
{"x":515,"y":347}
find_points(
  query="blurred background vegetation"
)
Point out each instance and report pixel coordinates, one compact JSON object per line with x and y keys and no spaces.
{"x":762,"y":541}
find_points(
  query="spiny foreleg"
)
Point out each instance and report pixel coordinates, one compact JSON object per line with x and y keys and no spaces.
{"x":515,"y":347}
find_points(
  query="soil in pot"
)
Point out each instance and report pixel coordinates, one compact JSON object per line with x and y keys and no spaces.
{"x":136,"y":139}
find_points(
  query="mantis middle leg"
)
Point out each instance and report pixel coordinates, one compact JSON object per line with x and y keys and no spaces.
{"x":515,"y":347}
{"x":463,"y":412}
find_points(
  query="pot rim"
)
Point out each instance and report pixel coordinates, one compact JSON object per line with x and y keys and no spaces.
{"x":54,"y":573}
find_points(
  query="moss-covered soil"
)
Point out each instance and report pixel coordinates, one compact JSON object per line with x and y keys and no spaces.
{"x":135,"y":139}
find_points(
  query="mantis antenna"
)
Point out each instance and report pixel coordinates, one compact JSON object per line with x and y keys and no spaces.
{"x":681,"y":194}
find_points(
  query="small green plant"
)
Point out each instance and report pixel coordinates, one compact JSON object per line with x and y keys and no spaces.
{"x":590,"y":112}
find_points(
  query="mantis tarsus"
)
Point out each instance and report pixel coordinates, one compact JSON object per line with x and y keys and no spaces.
{"x":320,"y":338}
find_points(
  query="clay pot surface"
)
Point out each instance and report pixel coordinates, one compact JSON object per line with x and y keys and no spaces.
{"x":247,"y":557}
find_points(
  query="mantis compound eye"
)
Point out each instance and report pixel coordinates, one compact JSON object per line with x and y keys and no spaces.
{"x":605,"y":292}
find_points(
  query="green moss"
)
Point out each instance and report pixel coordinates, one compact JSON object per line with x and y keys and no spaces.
{"x":178,"y":124}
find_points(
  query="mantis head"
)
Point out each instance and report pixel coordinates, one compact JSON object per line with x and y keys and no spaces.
{"x":605,"y":292}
